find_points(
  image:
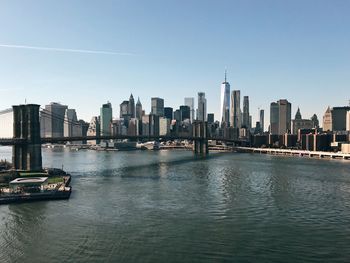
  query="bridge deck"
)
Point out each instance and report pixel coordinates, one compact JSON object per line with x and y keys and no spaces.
{"x":16,"y":141}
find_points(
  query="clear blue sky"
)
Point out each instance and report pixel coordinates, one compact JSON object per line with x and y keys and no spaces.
{"x":299,"y":50}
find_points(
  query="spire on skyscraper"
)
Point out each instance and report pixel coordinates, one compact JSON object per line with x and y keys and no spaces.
{"x":298,"y":115}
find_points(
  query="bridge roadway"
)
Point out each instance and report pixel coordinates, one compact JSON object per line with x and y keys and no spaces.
{"x":18,"y":141}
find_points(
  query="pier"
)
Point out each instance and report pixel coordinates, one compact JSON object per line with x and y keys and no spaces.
{"x":290,"y":152}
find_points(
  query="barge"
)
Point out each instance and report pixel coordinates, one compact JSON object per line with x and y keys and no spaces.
{"x":29,"y":197}
{"x":26,"y":189}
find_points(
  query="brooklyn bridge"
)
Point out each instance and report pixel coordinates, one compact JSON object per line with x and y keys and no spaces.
{"x":26,"y":141}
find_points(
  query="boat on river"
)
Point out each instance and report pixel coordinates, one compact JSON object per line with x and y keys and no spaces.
{"x":26,"y":189}
{"x":28,"y":197}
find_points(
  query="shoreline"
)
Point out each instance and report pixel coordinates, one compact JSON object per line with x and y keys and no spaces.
{"x":295,"y":153}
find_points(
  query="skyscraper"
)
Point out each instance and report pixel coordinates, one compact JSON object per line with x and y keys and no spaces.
{"x":71,"y":125}
{"x":274,"y":118}
{"x":280,"y":117}
{"x":52,"y":119}
{"x":164,"y":126}
{"x":262,"y":113}
{"x":138,"y":109}
{"x":131,"y":109}
{"x":153,"y":125}
{"x":124,"y":109}
{"x":339,"y":118}
{"x":168,"y":113}
{"x":246,"y":121}
{"x":177,"y":116}
{"x":210,"y":118}
{"x":106,"y":118}
{"x":185,"y":112}
{"x":236,"y":109}
{"x":202,"y":107}
{"x":285,"y":116}
{"x":225,"y":103}
{"x":190,"y":103}
{"x":157,"y":105}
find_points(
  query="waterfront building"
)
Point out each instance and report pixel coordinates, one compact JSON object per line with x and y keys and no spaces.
{"x":131,"y":107}
{"x":262,"y":127}
{"x":190,"y":103}
{"x":225,"y":103}
{"x":210,"y":118}
{"x":52,"y":120}
{"x":202,"y":107}
{"x":280,"y":117}
{"x":185,"y":113}
{"x":327,"y":120}
{"x":138,"y":113}
{"x":260,"y":140}
{"x":339,"y":118}
{"x":157,"y":106}
{"x":168,"y":113}
{"x":245,"y":120}
{"x":106,"y":119}
{"x":94,"y":130}
{"x":290,"y":140}
{"x":164,"y":126}
{"x":300,"y":123}
{"x":235,"y":120}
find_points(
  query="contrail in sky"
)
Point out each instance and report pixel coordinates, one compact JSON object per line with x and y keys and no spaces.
{"x":86,"y":51}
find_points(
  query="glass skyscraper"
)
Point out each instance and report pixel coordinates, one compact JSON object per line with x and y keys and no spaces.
{"x":225,"y":103}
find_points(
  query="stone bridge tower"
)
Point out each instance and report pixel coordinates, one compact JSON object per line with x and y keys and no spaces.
{"x":200,"y":133}
{"x":26,"y":126}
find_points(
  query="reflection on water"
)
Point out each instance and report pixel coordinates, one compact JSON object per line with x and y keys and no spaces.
{"x":173,"y":206}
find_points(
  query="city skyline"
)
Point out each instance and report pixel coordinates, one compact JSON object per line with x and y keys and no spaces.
{"x":295,"y":50}
{"x":181,"y":131}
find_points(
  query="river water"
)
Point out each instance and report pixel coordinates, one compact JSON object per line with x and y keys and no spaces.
{"x":170,"y":206}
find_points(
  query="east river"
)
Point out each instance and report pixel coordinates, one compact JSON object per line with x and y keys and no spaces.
{"x":170,"y":206}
